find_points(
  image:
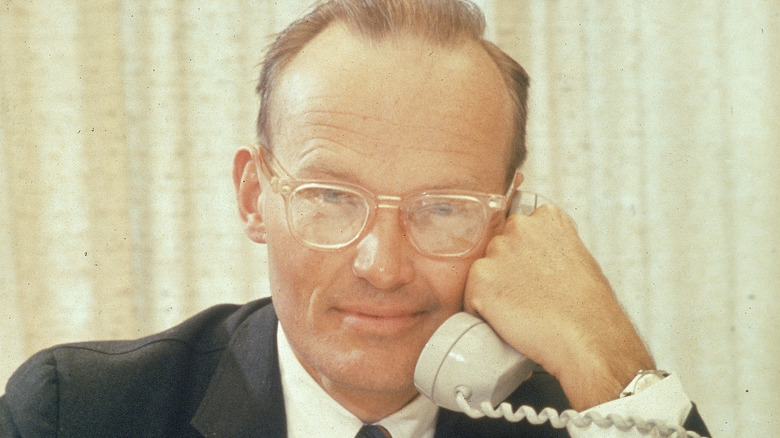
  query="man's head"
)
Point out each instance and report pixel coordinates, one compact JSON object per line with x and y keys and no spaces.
{"x":444,"y":22}
{"x":396,"y":118}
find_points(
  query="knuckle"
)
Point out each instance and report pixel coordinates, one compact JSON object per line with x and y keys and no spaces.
{"x":480,"y":275}
{"x":479,"y":269}
{"x":497,"y":245}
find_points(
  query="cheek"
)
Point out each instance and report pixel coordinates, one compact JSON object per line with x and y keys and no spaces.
{"x":299,"y":276}
{"x":287,"y":257}
{"x":447,"y":280}
{"x":289,"y":266}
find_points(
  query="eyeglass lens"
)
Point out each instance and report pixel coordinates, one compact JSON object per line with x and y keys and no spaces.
{"x":327,"y":217}
{"x":445,"y":224}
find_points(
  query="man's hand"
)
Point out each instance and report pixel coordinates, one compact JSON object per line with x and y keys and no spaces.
{"x":543,"y":293}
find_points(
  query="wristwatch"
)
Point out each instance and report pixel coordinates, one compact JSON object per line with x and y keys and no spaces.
{"x":643,"y":380}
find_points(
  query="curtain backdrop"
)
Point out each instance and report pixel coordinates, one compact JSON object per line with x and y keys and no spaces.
{"x":654,"y":124}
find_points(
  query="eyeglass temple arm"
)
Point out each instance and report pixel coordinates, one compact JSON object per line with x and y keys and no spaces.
{"x":268,"y":165}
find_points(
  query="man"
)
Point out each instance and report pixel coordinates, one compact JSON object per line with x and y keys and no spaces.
{"x":390,"y":138}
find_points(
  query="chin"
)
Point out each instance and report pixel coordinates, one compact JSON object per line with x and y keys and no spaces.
{"x":371,"y":371}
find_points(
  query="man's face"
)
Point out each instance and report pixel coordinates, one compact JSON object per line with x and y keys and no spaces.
{"x":395,"y":117}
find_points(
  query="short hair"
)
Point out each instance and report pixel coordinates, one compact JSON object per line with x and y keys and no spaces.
{"x":443,"y":22}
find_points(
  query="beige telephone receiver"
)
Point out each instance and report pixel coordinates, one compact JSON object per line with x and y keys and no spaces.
{"x":465,"y":349}
{"x":467,"y":367}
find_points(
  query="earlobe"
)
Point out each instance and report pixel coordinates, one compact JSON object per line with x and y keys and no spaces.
{"x":248,"y":190}
{"x":255,"y":229}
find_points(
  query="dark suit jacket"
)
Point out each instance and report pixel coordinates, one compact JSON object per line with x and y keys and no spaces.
{"x":215,"y":375}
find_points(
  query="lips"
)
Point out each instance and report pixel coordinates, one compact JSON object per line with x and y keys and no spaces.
{"x":382,"y":321}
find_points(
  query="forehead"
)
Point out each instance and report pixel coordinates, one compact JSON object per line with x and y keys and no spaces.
{"x":402,"y":102}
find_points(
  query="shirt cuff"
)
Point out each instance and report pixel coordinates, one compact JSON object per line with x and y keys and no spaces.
{"x":664,"y":401}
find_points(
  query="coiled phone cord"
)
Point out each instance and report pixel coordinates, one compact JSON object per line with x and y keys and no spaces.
{"x":559,"y":421}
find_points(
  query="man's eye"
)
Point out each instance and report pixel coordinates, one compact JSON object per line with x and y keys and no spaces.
{"x":442,"y":209}
{"x":335,"y":196}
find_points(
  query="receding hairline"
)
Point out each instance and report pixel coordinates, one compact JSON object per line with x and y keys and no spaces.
{"x":468,"y":54}
{"x":444,"y":23}
{"x":453,"y":42}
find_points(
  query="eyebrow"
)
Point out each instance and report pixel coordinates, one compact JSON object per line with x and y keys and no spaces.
{"x":337,"y":172}
{"x":319,"y":160}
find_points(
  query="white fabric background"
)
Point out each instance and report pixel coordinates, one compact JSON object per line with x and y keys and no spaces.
{"x":654,"y":124}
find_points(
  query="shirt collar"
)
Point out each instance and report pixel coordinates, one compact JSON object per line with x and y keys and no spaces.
{"x":312,"y":412}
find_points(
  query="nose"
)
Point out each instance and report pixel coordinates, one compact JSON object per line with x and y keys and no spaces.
{"x":383,"y":254}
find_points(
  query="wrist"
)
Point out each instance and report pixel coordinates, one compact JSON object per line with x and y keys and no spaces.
{"x":591,"y":378}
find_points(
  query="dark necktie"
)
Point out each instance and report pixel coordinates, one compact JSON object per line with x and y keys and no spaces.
{"x":371,"y":431}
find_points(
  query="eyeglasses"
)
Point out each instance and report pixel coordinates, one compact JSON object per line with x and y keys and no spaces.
{"x":327,"y":215}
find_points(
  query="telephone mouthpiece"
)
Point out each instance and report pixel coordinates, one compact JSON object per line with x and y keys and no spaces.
{"x":465,"y":355}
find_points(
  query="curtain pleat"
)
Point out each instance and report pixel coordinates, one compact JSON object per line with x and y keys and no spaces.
{"x":654,"y":124}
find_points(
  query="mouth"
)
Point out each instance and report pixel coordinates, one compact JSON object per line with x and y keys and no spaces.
{"x":381,"y":322}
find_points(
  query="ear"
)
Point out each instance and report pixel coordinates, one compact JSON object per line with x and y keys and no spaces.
{"x":248,"y":190}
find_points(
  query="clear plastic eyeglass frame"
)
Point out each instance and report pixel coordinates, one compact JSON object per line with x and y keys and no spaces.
{"x":285,"y":185}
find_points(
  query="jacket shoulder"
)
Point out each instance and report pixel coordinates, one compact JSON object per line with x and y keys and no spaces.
{"x":152,"y":382}
{"x":29,"y":406}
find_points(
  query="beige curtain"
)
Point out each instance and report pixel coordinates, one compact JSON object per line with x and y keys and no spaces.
{"x":655,"y":124}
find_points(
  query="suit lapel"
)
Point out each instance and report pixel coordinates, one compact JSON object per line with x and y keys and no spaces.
{"x":244,"y":397}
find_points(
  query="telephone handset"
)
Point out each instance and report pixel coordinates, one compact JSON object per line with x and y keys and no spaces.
{"x":466,"y":349}
{"x":465,"y":366}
